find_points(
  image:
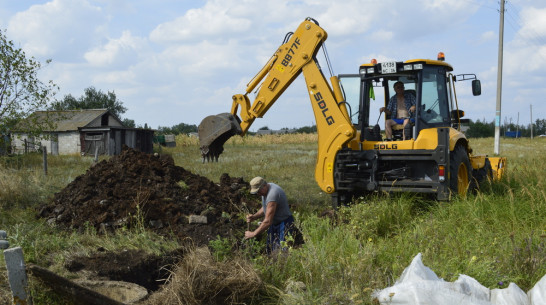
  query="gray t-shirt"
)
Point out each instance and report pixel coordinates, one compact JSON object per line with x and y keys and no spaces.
{"x":276,"y":194}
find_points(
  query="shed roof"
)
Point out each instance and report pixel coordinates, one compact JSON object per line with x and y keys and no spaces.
{"x":69,"y":120}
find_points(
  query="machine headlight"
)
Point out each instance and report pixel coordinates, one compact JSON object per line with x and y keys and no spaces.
{"x":370,"y":70}
{"x":418,"y":66}
{"x":408,"y":67}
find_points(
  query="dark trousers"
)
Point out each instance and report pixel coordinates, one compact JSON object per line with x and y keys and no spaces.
{"x":278,"y":233}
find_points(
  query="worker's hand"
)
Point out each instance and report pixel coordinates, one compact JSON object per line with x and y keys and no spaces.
{"x":412,"y":108}
{"x":249,"y":235}
{"x":249,"y":218}
{"x":381,"y":109}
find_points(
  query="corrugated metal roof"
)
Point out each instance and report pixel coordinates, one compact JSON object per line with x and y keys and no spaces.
{"x":69,"y":120}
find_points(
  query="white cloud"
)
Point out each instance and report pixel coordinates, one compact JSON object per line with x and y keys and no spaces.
{"x":382,"y":35}
{"x":534,"y":23}
{"x":525,"y":56}
{"x":203,"y":23}
{"x":63,"y":28}
{"x":117,"y":51}
{"x":489,"y":35}
{"x":118,"y":79}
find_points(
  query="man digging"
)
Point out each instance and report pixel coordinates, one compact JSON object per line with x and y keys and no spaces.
{"x":277,"y":217}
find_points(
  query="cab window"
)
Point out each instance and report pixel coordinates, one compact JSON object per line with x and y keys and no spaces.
{"x":350,"y":87}
{"x":434,"y":106}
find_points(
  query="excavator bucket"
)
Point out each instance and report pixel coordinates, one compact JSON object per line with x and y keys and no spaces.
{"x":214,"y":131}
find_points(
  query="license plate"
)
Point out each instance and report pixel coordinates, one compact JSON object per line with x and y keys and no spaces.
{"x":388,"y":67}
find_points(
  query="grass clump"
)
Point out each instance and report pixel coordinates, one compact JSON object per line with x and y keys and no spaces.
{"x":200,"y":279}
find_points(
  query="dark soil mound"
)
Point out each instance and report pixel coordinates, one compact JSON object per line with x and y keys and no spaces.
{"x":135,"y":188}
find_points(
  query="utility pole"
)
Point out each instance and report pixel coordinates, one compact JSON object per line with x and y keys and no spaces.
{"x":517,"y":127}
{"x":499,"y":81}
{"x":531,"y":121}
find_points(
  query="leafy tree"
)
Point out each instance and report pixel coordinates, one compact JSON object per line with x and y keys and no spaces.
{"x":480,"y":129}
{"x":540,"y":127}
{"x":21,"y":92}
{"x":307,"y":129}
{"x":92,"y":99}
{"x":177,"y":129}
{"x":484,"y":129}
{"x":128,"y":123}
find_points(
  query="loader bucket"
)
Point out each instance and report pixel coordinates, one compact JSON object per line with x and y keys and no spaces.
{"x":214,"y":131}
{"x":497,"y":165}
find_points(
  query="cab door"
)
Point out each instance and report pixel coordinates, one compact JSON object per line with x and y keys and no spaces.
{"x":351,"y":87}
{"x":433,"y":105}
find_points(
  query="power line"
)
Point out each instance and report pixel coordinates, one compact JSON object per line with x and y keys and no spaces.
{"x":533,"y":35}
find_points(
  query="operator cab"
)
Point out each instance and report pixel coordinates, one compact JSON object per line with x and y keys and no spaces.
{"x":430,"y":81}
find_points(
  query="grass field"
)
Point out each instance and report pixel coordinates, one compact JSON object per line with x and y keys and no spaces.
{"x":496,"y":235}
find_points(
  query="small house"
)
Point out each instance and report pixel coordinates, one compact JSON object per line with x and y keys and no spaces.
{"x":85,"y":132}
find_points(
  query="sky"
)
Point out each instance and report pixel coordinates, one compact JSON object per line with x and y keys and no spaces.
{"x":178,"y":61}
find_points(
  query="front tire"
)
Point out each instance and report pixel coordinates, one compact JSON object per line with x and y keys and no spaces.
{"x":459,"y":171}
{"x":340,"y":199}
{"x":482,"y":176}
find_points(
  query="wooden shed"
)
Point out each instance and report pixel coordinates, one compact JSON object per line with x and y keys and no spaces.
{"x":84,"y":132}
{"x":110,"y":140}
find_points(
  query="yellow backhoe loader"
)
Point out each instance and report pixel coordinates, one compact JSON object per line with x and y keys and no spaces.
{"x":353,"y":159}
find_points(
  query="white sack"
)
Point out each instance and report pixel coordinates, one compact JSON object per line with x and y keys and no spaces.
{"x":509,"y":296}
{"x":469,"y":286}
{"x":419,"y":285}
{"x":417,"y":271}
{"x":426,"y":293}
{"x":537,"y":294}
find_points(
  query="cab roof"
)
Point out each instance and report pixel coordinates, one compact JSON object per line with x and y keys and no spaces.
{"x":424,"y":61}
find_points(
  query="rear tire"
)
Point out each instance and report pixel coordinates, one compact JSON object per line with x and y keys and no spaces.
{"x":459,"y":171}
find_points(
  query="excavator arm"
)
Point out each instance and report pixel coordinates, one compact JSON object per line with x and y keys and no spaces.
{"x":296,"y":55}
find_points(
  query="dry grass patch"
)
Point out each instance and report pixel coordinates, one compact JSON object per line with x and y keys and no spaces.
{"x":199,"y":279}
{"x":18,"y":188}
{"x":185,"y":140}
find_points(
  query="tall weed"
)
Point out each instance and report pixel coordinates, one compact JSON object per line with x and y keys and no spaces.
{"x":19,"y":188}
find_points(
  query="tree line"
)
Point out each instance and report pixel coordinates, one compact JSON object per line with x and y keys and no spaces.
{"x":94,"y":99}
{"x":183,"y":128}
{"x":483,"y":129}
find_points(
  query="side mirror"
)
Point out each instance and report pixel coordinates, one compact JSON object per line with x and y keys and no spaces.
{"x":476,"y":87}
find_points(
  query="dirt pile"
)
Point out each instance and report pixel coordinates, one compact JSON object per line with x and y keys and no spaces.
{"x":135,"y":188}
